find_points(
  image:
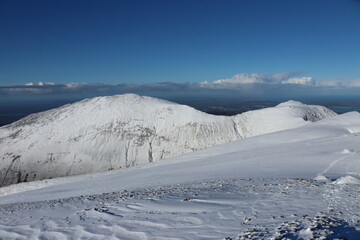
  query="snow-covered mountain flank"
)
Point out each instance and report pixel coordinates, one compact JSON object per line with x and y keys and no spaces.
{"x":107,"y":133}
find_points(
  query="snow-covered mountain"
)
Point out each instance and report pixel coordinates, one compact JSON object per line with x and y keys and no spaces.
{"x":107,"y":133}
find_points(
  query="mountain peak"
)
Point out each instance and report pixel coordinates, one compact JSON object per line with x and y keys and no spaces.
{"x":291,"y":103}
{"x":126,"y":98}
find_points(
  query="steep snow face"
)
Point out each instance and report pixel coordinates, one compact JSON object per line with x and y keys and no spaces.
{"x":287,"y":115}
{"x":107,"y":133}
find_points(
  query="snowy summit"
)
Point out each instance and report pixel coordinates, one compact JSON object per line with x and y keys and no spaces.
{"x":106,"y":133}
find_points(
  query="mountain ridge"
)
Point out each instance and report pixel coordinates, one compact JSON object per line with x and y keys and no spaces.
{"x":106,"y":133}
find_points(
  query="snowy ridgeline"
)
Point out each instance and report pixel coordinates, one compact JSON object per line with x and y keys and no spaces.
{"x":106,"y":133}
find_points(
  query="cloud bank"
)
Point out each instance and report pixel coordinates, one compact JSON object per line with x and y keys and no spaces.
{"x":300,"y":81}
{"x":246,"y":78}
{"x":254,"y":85}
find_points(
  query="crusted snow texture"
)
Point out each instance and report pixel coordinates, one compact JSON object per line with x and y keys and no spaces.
{"x":106,"y":133}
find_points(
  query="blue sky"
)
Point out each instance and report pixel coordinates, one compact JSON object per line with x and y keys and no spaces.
{"x":187,"y":41}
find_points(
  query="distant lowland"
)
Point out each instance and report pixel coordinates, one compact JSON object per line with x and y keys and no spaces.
{"x":13,"y":111}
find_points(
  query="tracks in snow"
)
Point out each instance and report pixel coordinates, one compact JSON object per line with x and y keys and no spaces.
{"x":202,"y":210}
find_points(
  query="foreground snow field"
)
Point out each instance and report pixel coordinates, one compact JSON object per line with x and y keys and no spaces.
{"x":216,"y":209}
{"x":301,"y":183}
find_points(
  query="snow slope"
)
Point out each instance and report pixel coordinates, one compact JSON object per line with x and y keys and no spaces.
{"x":287,"y":115}
{"x":106,"y":133}
{"x":329,"y":148}
{"x":254,"y":188}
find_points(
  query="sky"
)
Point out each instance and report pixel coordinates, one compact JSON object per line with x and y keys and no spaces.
{"x":259,"y":47}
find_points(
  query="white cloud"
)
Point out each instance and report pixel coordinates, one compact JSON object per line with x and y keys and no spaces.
{"x":246,"y":78}
{"x":39,"y":84}
{"x":300,"y":81}
{"x":76,"y":85}
{"x":355,"y":83}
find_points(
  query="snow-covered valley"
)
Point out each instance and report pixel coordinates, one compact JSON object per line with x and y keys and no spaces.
{"x":295,"y":180}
